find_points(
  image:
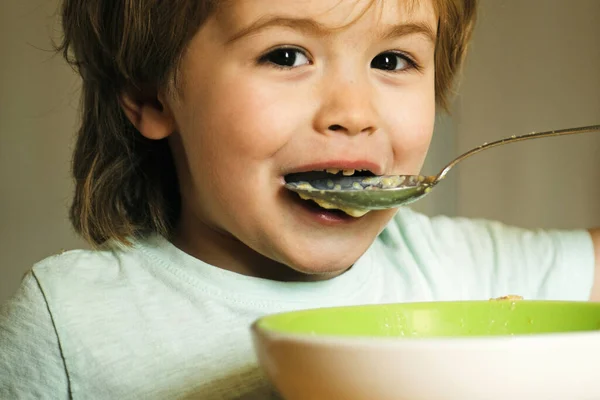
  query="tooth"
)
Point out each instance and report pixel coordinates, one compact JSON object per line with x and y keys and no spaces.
{"x":348,"y":172}
{"x":332,"y":171}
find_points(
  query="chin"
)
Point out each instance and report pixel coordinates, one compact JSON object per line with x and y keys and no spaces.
{"x":327,"y":260}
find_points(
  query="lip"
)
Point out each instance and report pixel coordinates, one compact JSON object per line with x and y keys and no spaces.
{"x":339,"y":164}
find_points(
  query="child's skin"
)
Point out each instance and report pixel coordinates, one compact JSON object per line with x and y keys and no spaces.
{"x":240,"y":122}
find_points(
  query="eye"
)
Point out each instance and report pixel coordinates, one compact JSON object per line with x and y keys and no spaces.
{"x":391,"y":61}
{"x":286,"y":57}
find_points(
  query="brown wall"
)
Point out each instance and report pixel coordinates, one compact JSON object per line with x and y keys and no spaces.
{"x":535,"y":65}
{"x":38,"y":101}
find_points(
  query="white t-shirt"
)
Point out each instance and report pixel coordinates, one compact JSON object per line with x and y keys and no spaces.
{"x":152,"y":322}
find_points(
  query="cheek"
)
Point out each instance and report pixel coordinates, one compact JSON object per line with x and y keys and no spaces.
{"x":412,"y":128}
{"x":252,"y":120}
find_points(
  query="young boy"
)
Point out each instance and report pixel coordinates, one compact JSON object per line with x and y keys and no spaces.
{"x":195,"y":112}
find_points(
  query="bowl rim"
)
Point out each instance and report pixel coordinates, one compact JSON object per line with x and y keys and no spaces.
{"x":510,"y":340}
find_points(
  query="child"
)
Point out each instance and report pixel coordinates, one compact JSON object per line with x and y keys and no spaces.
{"x":195,"y":112}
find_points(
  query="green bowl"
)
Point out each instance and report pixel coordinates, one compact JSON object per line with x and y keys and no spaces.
{"x":482,"y":350}
{"x":445,"y":319}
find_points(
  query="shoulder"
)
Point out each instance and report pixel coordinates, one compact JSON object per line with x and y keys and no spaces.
{"x":492,"y":258}
{"x":456,"y":231}
{"x":88,"y":266}
{"x":82,"y":278}
{"x":480,"y":239}
{"x":32,"y":362}
{"x":75,"y":262}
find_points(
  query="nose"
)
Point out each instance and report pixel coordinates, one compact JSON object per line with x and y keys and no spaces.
{"x":347,"y":107}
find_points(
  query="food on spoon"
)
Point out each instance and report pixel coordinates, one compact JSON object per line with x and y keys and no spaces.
{"x":332,"y":179}
{"x":353,"y":212}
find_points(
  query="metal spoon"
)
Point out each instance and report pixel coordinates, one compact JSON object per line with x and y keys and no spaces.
{"x":381,"y":192}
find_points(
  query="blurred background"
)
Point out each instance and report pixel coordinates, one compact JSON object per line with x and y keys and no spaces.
{"x":534,"y":65}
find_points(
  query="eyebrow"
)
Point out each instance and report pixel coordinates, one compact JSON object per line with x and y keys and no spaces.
{"x":313,"y":27}
{"x":410,"y":29}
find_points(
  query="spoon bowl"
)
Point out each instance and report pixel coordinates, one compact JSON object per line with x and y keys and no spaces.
{"x":368,"y":193}
{"x":390,"y":191}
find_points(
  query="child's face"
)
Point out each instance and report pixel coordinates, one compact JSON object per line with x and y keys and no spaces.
{"x":269,"y":89}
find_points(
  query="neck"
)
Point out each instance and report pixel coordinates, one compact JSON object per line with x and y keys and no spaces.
{"x":222,"y":250}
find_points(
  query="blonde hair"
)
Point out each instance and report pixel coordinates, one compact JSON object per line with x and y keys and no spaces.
{"x":126,"y":185}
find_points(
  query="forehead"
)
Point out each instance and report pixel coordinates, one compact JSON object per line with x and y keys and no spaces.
{"x":334,"y":15}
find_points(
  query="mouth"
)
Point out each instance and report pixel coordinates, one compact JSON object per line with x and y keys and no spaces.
{"x":331,"y":175}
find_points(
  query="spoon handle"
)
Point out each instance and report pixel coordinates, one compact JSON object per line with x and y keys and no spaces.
{"x":513,"y":139}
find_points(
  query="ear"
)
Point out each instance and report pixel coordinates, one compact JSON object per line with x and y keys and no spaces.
{"x":152,"y":118}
